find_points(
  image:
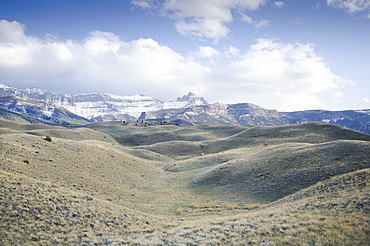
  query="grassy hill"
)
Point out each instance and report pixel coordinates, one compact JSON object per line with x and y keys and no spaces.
{"x":333,"y":212}
{"x":249,"y":164}
{"x":154,"y":183}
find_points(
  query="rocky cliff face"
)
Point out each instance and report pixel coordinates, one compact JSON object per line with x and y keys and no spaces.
{"x":99,"y":106}
{"x":214,"y":114}
{"x":251,"y":114}
{"x":192,"y":100}
{"x":187,"y":110}
{"x":358,"y":120}
{"x":95,"y":105}
{"x":37,"y":111}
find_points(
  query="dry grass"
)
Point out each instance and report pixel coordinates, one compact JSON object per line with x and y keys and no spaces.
{"x":84,"y":188}
{"x":38,"y":213}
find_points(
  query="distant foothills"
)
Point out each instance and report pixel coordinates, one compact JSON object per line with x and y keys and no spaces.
{"x":36,"y":105}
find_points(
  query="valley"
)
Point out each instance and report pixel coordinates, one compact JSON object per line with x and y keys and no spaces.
{"x":155,"y":183}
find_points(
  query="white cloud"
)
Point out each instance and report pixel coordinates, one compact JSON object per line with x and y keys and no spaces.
{"x":273,"y":74}
{"x":203,"y":27}
{"x":351,"y":6}
{"x":101,"y":42}
{"x":279,"y":4}
{"x":262,"y":24}
{"x":337,"y":94}
{"x":208,"y":55}
{"x":278,"y":75}
{"x":246,"y":18}
{"x":11,"y":32}
{"x":202,"y":18}
{"x":207,"y":52}
{"x":316,"y":6}
{"x":249,"y":20}
{"x":145,"y":4}
{"x":101,"y":62}
{"x":231,"y":51}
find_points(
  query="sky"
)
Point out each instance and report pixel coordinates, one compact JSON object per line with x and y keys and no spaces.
{"x":286,"y":55}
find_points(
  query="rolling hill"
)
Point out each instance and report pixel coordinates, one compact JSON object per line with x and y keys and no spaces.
{"x":154,"y":183}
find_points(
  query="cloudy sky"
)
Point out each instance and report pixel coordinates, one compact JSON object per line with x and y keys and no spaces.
{"x":286,"y":55}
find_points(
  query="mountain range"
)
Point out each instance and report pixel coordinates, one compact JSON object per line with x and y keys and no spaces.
{"x":40,"y":106}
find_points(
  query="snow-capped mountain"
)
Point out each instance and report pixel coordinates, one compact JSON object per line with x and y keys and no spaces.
{"x":37,"y":111}
{"x":213,"y":114}
{"x":37,"y":105}
{"x":98,"y":105}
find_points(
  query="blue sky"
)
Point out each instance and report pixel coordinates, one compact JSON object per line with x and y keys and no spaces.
{"x":286,"y":55}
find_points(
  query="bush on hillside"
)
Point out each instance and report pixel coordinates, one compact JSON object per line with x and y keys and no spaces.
{"x":48,"y":138}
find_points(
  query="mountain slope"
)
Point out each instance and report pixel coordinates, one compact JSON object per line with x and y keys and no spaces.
{"x":185,"y":111}
{"x":213,"y":114}
{"x":36,"y":111}
{"x":98,"y":106}
{"x":358,"y":120}
{"x":250,"y":114}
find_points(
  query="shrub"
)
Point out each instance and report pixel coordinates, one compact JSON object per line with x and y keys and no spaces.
{"x":179,"y":210}
{"x":48,"y":138}
{"x":232,"y":207}
{"x":253,"y":206}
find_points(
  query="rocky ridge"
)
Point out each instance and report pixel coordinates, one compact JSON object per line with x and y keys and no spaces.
{"x":33,"y":105}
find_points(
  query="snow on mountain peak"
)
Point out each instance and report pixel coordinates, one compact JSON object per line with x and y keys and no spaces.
{"x":192,"y":99}
{"x":2,"y":86}
{"x":98,"y":104}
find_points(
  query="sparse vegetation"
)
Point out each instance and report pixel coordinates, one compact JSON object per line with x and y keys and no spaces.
{"x":201,"y":185}
{"x":40,"y":213}
{"x":179,"y":210}
{"x":48,"y":138}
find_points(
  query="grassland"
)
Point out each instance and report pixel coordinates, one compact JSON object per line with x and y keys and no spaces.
{"x":141,"y":183}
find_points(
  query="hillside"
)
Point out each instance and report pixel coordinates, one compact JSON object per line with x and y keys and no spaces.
{"x":333,"y":212}
{"x":261,"y":163}
{"x":156,"y":183}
